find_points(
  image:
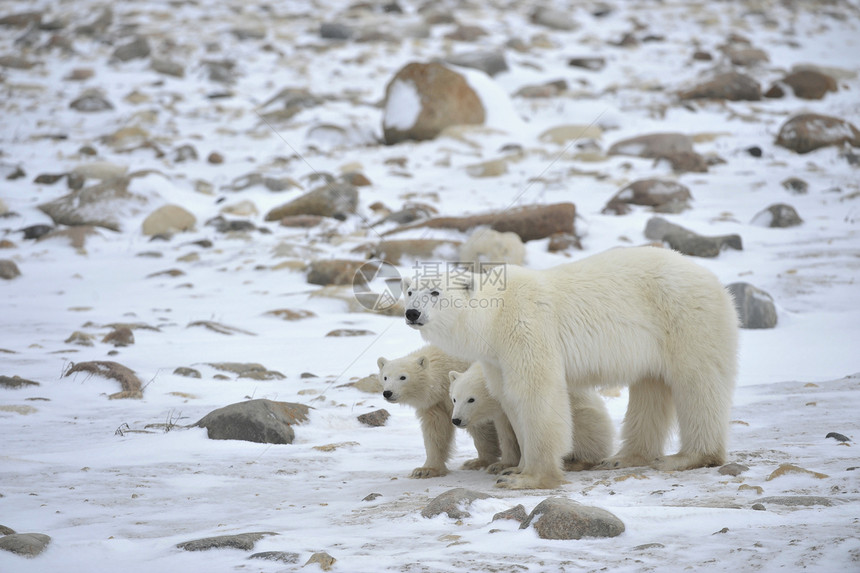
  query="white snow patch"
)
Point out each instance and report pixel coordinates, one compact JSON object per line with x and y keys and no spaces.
{"x":402,"y":107}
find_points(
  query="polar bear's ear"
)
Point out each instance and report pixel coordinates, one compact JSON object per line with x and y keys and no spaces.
{"x":422,"y":362}
{"x":381,"y":362}
{"x":453,"y":375}
{"x":405,"y":283}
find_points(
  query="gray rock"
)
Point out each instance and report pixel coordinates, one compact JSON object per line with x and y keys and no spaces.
{"x":80,"y":339}
{"x":134,"y":50}
{"x":331,"y":200}
{"x":323,"y":559}
{"x":810,"y":131}
{"x":755,"y":307}
{"x":593,"y":63}
{"x":517,"y":513}
{"x":837,"y":436}
{"x":187,"y":372}
{"x":561,"y":518}
{"x":106,"y":204}
{"x":664,"y":196}
{"x":374,"y":419}
{"x":654,"y":145}
{"x":6,"y":530}
{"x":732,"y":86}
{"x":687,"y":242}
{"x":16,"y":382}
{"x":251,"y":370}
{"x":335,"y":31}
{"x":797,"y":500}
{"x":733,"y":469}
{"x":489,"y":62}
{"x":243,"y":541}
{"x":554,"y":18}
{"x":279,"y":556}
{"x":453,"y":503}
{"x":99,"y":25}
{"x":779,"y":215}
{"x":8,"y":269}
{"x":796,"y":186}
{"x":262,"y":421}
{"x":91,"y":101}
{"x":167,"y":67}
{"x":26,"y":544}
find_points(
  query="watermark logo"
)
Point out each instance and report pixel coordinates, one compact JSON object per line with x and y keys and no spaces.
{"x":429,"y":275}
{"x":376,"y":286}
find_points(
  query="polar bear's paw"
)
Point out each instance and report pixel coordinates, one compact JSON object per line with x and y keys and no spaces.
{"x":680,"y":462}
{"x":501,"y":468}
{"x":577,"y":465}
{"x":621,"y":461}
{"x":476,"y":464}
{"x":528,"y":481}
{"x":427,"y":472}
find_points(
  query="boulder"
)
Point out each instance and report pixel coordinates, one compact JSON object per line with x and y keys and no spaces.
{"x":106,"y":204}
{"x":810,"y":131}
{"x":779,"y":215}
{"x":653,"y":145}
{"x":423,"y":99}
{"x":8,"y":269}
{"x":561,"y":518}
{"x":168,"y":219}
{"x":687,"y":242}
{"x":261,"y":421}
{"x":243,"y":541}
{"x":25,"y":544}
{"x":337,"y":199}
{"x":755,"y":307}
{"x":453,"y":503}
{"x":806,"y":84}
{"x":732,"y":86}
{"x":664,"y":196}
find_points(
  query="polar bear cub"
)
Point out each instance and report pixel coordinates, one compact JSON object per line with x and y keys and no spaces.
{"x":645,"y":317}
{"x":592,"y":426}
{"x":420,"y":379}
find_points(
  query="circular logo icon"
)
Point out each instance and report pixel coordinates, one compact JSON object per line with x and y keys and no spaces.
{"x":376,"y":285}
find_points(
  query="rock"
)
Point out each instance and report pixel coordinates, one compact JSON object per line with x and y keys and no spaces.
{"x":302,"y":221}
{"x":664,"y":196}
{"x":654,"y":145}
{"x":323,"y":559}
{"x":332,"y":200}
{"x":215,"y":158}
{"x":797,"y":500}
{"x":489,"y":62}
{"x":835,"y":435}
{"x":104,"y":204}
{"x":16,"y":382}
{"x":91,"y":101}
{"x":25,"y":544}
{"x":167,"y":220}
{"x":423,"y":99}
{"x":223,"y":225}
{"x":369,"y":384}
{"x":488,"y":246}
{"x":806,"y":84}
{"x":335,"y":271}
{"x":8,"y":269}
{"x":134,"y":50}
{"x":402,"y":251}
{"x":554,"y":18}
{"x":549,"y":89}
{"x":491,"y":168}
{"x":517,"y":513}
{"x":686,"y":162}
{"x":561,"y":518}
{"x":810,"y":131}
{"x":335,"y":31}
{"x":167,"y":67}
{"x":243,"y":541}
{"x":531,"y":222}
{"x":340,"y":332}
{"x":101,"y":170}
{"x":747,"y":56}
{"x":250,"y":370}
{"x":779,"y":215}
{"x":130,"y":383}
{"x":36,"y":231}
{"x":187,"y":372}
{"x":732,"y":469}
{"x":564,"y":134}
{"x":120,"y":336}
{"x":374,"y":419}
{"x":755,"y":307}
{"x":261,"y":421}
{"x":795,"y":186}
{"x":688,"y":242}
{"x":279,"y":556}
{"x":593,"y":63}
{"x":732,"y":86}
{"x":466,"y":33}
{"x":16,"y":62}
{"x":453,"y":503}
{"x":99,"y":25}
{"x":80,"y":338}
{"x":22,"y":19}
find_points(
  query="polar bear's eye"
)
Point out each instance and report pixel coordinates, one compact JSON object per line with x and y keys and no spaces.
{"x":454,"y":400}
{"x":403,"y":377}
{"x":471,"y":400}
{"x":434,"y":293}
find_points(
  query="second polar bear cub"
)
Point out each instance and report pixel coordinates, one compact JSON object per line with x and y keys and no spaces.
{"x":420,"y":380}
{"x":592,"y":426}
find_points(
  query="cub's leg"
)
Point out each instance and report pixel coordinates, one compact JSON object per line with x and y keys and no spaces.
{"x":486,"y":442}
{"x":438,"y":433}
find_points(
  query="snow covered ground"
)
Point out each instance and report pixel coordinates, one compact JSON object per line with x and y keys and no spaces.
{"x":115,"y":495}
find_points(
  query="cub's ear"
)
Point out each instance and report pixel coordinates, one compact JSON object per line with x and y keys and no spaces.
{"x":453,"y":375}
{"x":422,"y":362}
{"x":381,"y":362}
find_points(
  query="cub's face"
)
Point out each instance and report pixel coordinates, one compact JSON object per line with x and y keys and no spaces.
{"x":398,"y":377}
{"x":469,"y":397}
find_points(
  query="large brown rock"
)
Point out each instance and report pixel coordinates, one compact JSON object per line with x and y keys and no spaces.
{"x":810,"y":131}
{"x":653,"y":145}
{"x":423,"y":99}
{"x":806,"y":84}
{"x":335,"y":199}
{"x":663,"y":195}
{"x":732,"y":86}
{"x":561,"y":518}
{"x":262,"y":421}
{"x":531,"y":222}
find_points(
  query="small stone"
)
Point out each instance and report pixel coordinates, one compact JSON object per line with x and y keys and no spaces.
{"x":452,"y":503}
{"x":592,"y":63}
{"x":136,"y":49}
{"x":25,"y":544}
{"x":838,"y":437}
{"x":664,"y":196}
{"x":796,"y":186}
{"x":779,"y":215}
{"x":758,"y":507}
{"x":554,"y":19}
{"x":91,"y":102}
{"x":167,"y":67}
{"x":561,"y":518}
{"x":335,"y":200}
{"x":755,"y":307}
{"x":8,"y":269}
{"x":489,"y":62}
{"x":733,"y":469}
{"x":36,"y":231}
{"x":335,"y":31}
{"x":279,"y":556}
{"x":731,"y":86}
{"x":215,"y":158}
{"x":80,"y":338}
{"x":688,"y":242}
{"x":810,"y":84}
{"x":374,"y":419}
{"x":243,"y":541}
{"x":559,"y":242}
{"x":168,"y":219}
{"x":654,"y":145}
{"x":371,"y":496}
{"x":187,"y":372}
{"x":797,"y":500}
{"x":517,"y":513}
{"x":809,"y":131}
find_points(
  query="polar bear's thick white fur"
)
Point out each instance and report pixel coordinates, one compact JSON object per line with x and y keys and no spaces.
{"x":420,"y":379}
{"x":488,"y":246}
{"x":592,"y":426}
{"x":645,"y":317}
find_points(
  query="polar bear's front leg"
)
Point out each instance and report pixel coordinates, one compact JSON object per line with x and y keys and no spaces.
{"x":537,"y":403}
{"x":438,"y":433}
{"x":486,"y":442}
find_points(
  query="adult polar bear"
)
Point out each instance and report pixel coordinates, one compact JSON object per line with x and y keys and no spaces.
{"x":645,"y":317}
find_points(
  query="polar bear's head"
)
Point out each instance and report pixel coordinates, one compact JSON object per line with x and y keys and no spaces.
{"x":401,"y":378}
{"x":472,"y":402}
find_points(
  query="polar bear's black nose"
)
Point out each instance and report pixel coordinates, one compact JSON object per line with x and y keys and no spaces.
{"x":456,"y":421}
{"x":412,"y":315}
{"x":387,"y":394}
